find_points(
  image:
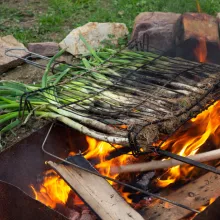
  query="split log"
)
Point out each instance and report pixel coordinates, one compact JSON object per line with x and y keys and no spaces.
{"x":155,"y":164}
{"x":97,"y":193}
{"x":194,"y":195}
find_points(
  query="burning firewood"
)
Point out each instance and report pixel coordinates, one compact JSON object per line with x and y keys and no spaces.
{"x":95,"y":191}
{"x":195,"y":194}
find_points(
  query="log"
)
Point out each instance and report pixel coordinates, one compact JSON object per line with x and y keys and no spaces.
{"x":97,"y":193}
{"x":155,"y":164}
{"x":194,"y":195}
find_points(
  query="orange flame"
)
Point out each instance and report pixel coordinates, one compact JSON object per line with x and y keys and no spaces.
{"x":101,"y":149}
{"x":201,"y":50}
{"x":54,"y":189}
{"x":205,"y":126}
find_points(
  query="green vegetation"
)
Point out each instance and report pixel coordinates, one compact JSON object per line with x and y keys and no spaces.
{"x":53,"y":19}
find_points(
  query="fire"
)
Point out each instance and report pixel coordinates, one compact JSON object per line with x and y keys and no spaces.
{"x":54,"y":189}
{"x":201,"y":50}
{"x":205,"y":126}
{"x":101,"y":150}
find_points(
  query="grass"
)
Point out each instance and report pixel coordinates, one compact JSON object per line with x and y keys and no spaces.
{"x":51,"y":20}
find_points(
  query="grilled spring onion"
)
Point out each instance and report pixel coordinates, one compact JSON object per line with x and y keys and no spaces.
{"x":94,"y":84}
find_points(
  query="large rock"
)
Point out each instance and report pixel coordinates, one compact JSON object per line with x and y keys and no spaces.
{"x":154,"y":30}
{"x":196,"y":25}
{"x":6,"y":62}
{"x":44,"y":48}
{"x":197,"y":37}
{"x":94,"y":33}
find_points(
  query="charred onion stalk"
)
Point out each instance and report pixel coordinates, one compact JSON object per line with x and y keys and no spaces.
{"x":98,"y":100}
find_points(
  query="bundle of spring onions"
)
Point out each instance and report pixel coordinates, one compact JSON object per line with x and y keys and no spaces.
{"x":102,"y":98}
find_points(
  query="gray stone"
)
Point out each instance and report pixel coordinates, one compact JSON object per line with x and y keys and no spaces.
{"x":94,"y":33}
{"x":44,"y":48}
{"x":6,"y":62}
{"x":155,"y":30}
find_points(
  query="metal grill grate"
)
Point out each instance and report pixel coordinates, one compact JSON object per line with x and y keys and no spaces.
{"x":149,"y":90}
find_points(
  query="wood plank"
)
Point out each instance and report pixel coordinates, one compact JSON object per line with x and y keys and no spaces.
{"x":194,"y":195}
{"x":97,"y":193}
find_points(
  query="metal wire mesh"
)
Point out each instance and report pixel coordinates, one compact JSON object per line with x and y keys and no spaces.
{"x":148,"y":90}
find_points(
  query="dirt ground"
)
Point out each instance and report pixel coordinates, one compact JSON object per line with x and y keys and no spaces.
{"x":25,"y":73}
{"x":28,"y":74}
